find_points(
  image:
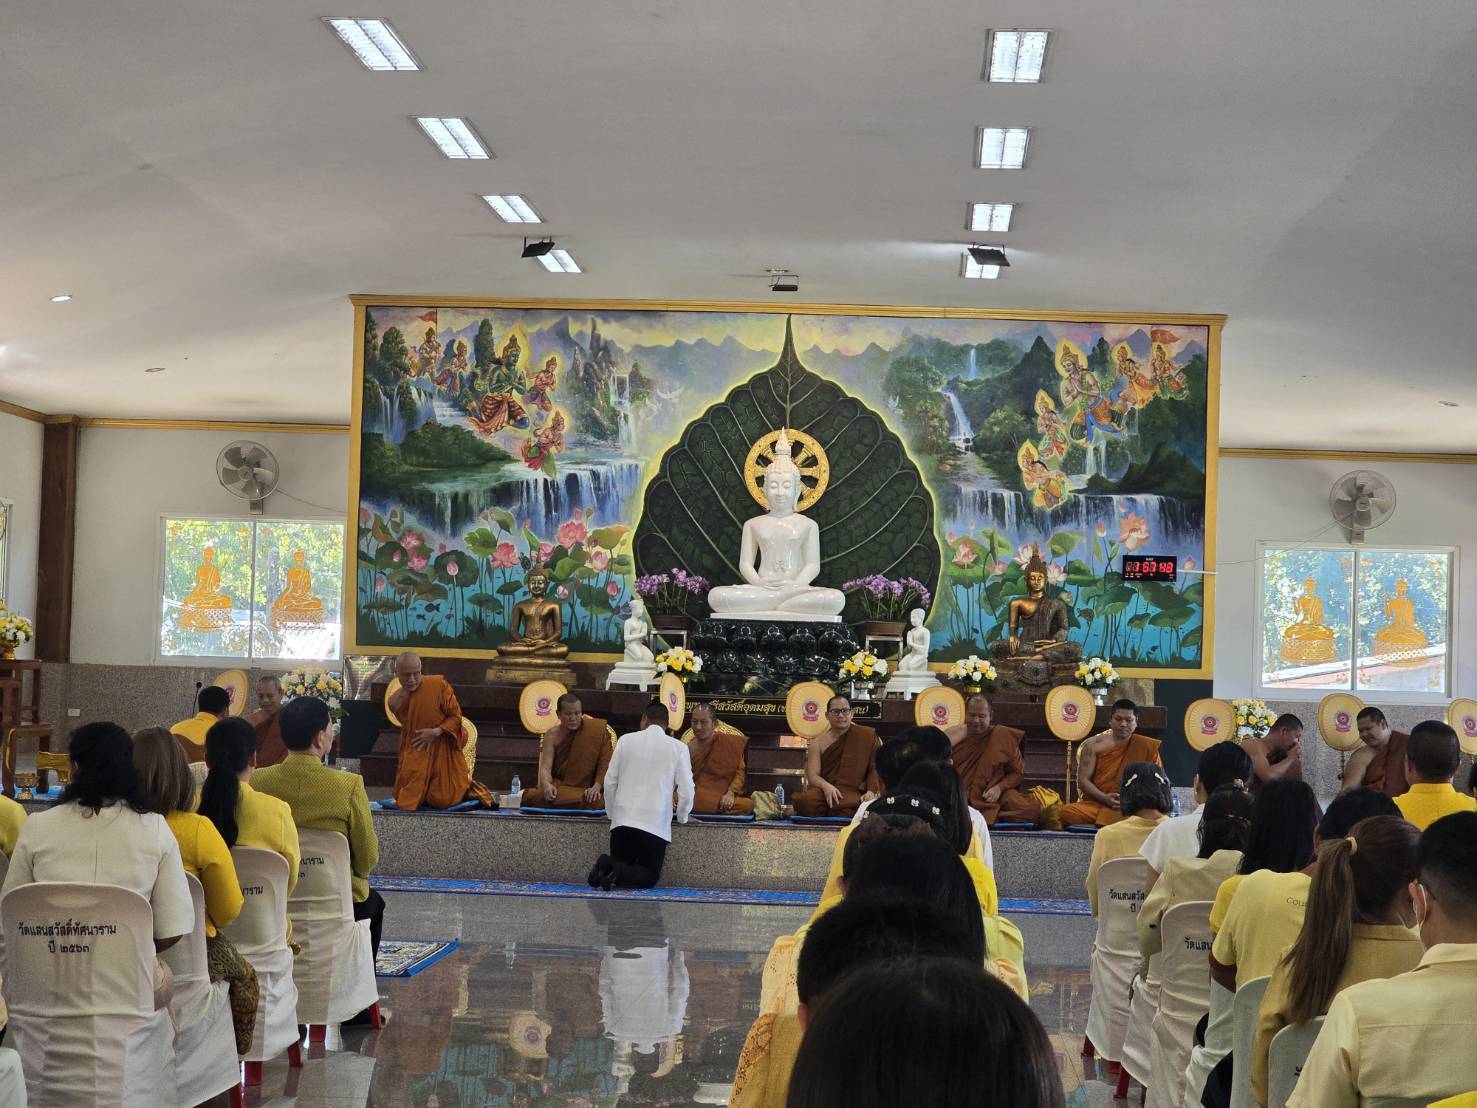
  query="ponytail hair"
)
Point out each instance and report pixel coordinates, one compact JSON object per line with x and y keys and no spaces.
{"x":229,"y":747}
{"x":1356,"y":881}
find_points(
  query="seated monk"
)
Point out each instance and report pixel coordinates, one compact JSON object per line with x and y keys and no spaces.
{"x":840,"y":766}
{"x":1380,"y":763}
{"x":573,"y":756}
{"x":717,"y":752}
{"x":432,"y":772}
{"x":1276,"y":757}
{"x":270,"y":750}
{"x":991,"y":765}
{"x":1100,"y":763}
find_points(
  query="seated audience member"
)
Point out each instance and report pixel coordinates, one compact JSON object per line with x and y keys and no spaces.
{"x":1410,"y":1036}
{"x":1100,"y":763}
{"x":214,"y":704}
{"x":928,"y":1031}
{"x":647,"y":768}
{"x":865,"y":931}
{"x":1380,"y":763}
{"x":717,"y":765}
{"x":166,"y":787}
{"x":1432,"y":757}
{"x":1276,"y":756}
{"x":243,"y":816}
{"x":101,"y":832}
{"x":1225,"y":825}
{"x":1146,"y":800}
{"x":840,"y":765}
{"x":323,"y":799}
{"x":1357,"y":927}
{"x":12,"y":819}
{"x":991,"y":764}
{"x":1179,"y":836}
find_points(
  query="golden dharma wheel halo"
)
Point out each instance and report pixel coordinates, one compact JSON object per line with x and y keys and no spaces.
{"x":809,"y":457}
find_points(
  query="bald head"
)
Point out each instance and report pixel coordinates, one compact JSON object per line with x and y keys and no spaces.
{"x":408,"y":669}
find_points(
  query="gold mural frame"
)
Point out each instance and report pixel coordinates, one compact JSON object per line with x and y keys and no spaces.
{"x":1213,"y":322}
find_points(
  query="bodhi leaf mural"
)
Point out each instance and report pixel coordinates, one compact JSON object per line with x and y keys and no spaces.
{"x":875,"y":516}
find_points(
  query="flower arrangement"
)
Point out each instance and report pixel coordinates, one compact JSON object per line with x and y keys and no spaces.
{"x":14,"y":629}
{"x":862,"y":666}
{"x":674,"y":593}
{"x":973,"y":671}
{"x":679,"y":660}
{"x":317,"y":683}
{"x":884,"y":599}
{"x":1096,"y":673}
{"x":1253,"y":718}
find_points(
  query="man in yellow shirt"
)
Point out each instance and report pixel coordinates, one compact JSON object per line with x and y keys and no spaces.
{"x":1410,"y":1037}
{"x":1431,"y":759}
{"x":214,"y":704}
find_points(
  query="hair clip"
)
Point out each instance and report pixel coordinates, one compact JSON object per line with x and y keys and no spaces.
{"x":1353,"y":845}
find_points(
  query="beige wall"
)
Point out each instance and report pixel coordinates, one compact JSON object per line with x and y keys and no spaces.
{"x":20,"y":483}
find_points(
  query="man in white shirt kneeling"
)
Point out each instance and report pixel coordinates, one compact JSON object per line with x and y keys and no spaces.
{"x":647,"y":766}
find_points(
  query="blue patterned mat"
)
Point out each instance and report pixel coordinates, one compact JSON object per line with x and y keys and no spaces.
{"x":774,"y":898}
{"x":407,"y":957}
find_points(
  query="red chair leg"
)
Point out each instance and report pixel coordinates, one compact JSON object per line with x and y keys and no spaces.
{"x":238,"y":1098}
{"x":1122,"y":1090}
{"x":374,"y":1016}
{"x":317,"y":1032}
{"x":253,"y":1073}
{"x":295,"y":1056}
{"x":1087,"y":1051}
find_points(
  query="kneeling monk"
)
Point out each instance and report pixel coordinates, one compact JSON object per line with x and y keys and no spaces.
{"x":433,"y":771}
{"x":991,"y":765}
{"x":573,"y":756}
{"x":840,"y":766}
{"x":717,"y":752}
{"x":1100,"y":766}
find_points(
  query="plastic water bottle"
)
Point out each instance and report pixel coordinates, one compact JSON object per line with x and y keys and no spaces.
{"x":1175,"y":804}
{"x":516,"y":786}
{"x":779,"y":797}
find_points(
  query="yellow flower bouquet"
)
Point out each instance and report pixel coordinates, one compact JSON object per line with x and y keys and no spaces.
{"x":1253,"y":718}
{"x":679,"y":660}
{"x":862,"y":666}
{"x":317,"y":683}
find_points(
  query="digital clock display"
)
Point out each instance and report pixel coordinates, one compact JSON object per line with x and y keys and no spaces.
{"x":1150,"y":567}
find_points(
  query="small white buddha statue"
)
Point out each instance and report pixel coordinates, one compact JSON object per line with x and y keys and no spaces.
{"x":636,"y":634}
{"x":779,"y":557}
{"x":914,"y":658}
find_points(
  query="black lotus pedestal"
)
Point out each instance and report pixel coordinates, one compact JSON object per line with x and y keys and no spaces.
{"x":767,"y":657}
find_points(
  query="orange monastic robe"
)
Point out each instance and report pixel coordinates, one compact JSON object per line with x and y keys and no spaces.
{"x":1386,"y":770}
{"x":578,"y":764}
{"x":270,"y":750}
{"x":1106,"y":775}
{"x":436,"y":777}
{"x":995,"y":759}
{"x":850,"y":764}
{"x":718,"y":770}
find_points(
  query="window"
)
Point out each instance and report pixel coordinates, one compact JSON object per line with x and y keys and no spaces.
{"x":1357,"y":619}
{"x":251,"y":589}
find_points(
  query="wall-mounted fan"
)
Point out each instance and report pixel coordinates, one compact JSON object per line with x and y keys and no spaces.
{"x":249,"y":470}
{"x":1361,"y":501}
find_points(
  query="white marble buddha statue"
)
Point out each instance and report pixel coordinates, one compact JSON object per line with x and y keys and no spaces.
{"x":779,"y":557}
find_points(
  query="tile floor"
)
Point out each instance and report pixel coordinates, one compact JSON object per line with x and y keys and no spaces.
{"x":599,"y":1002}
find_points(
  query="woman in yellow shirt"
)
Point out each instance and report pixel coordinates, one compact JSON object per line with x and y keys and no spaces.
{"x":1144,"y":800}
{"x":166,"y":786}
{"x":1358,"y":926}
{"x":243,"y":816}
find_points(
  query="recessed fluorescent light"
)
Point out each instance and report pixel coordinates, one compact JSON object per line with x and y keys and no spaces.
{"x":1015,"y":57}
{"x":990,"y":217}
{"x":512,"y":209}
{"x":375,"y":44}
{"x":559,"y":261}
{"x":972,"y":268}
{"x":155,"y":369}
{"x":1003,"y":147}
{"x":453,"y":135}
{"x":61,"y":298}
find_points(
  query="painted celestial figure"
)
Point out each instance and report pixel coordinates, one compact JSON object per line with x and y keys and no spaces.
{"x":1307,"y":641}
{"x":1401,"y":637}
{"x":206,"y":608}
{"x":297,"y":604}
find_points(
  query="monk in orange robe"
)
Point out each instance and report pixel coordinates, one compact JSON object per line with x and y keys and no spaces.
{"x":840,"y":766}
{"x":991,"y":765}
{"x":1380,"y":763}
{"x":572,"y":759}
{"x":433,"y":771}
{"x":1100,"y":767}
{"x":717,"y":753}
{"x":270,"y":750}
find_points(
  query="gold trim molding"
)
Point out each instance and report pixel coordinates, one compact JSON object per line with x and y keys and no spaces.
{"x":211,"y":425}
{"x":22,"y":411}
{"x":1347,"y":455}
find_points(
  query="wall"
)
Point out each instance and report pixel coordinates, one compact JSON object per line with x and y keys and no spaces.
{"x":127,"y":478}
{"x":20,"y":483}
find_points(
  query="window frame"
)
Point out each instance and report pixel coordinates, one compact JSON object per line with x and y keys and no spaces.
{"x":7,"y":514}
{"x":1374,"y":696}
{"x":249,"y":660}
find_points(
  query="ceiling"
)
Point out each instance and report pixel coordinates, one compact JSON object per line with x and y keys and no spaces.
{"x":212,"y":180}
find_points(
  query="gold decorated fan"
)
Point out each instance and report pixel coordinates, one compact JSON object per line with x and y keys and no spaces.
{"x":809,"y":457}
{"x":538,"y":705}
{"x":1461,"y":714}
{"x":390,"y":690}
{"x":938,"y":706}
{"x":1070,"y":714}
{"x":237,"y":686}
{"x":673,"y":693}
{"x":1209,"y":721}
{"x":1338,"y":721}
{"x":805,"y":708}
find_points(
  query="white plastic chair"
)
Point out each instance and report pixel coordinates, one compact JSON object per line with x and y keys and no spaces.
{"x":334,"y":970}
{"x":79,"y":971}
{"x":1184,"y":996}
{"x":1138,"y":1038}
{"x":1243,"y":1017}
{"x":260,"y":936}
{"x":204,"y":1037}
{"x":1115,"y":952}
{"x":1289,"y":1050}
{"x":12,"y":1080}
{"x":1204,"y":1057}
{"x":4,"y":867}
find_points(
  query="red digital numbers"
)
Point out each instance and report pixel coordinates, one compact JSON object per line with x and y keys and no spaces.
{"x":1140,"y":567}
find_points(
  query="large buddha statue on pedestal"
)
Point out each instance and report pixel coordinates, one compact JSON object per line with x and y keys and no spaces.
{"x":206,"y":608}
{"x":779,"y":557}
{"x":1400,"y":641}
{"x":1036,"y":653}
{"x":1307,"y":641}
{"x":538,"y":624}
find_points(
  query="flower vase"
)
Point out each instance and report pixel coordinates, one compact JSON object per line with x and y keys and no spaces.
{"x":7,"y":652}
{"x":1099,"y":695}
{"x":973,"y":690}
{"x":862,"y":690}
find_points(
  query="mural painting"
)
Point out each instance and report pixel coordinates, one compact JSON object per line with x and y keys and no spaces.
{"x":617,"y":447}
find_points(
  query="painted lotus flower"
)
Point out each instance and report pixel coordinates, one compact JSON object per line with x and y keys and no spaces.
{"x":1190,"y":565}
{"x":1102,"y":530}
{"x":570,"y":532}
{"x":1133,"y":532}
{"x":1055,"y":573}
{"x":410,"y":540}
{"x":418,"y":562}
{"x":545,"y":552}
{"x":613,"y":588}
{"x":1024,"y":555}
{"x":999,"y":567}
{"x":964,"y":555}
{"x":599,"y":559}
{"x":505,"y":556}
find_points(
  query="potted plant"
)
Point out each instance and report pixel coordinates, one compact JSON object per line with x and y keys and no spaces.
{"x":885,"y":602}
{"x":672,"y":599}
{"x":1096,"y":675}
{"x":862,"y":670}
{"x":973,"y":675}
{"x":15,"y":631}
